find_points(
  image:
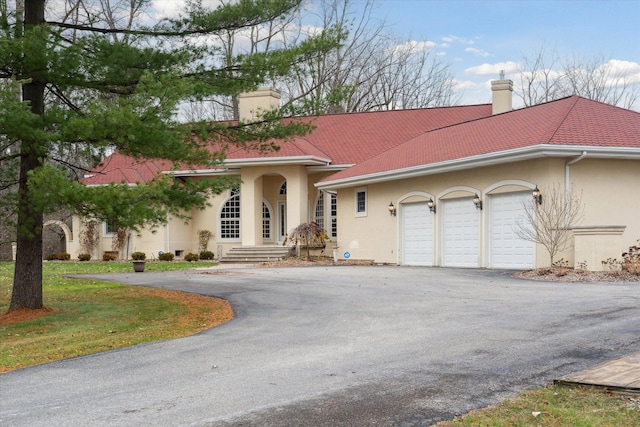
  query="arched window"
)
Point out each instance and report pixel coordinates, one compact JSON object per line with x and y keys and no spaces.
{"x":230,"y":217}
{"x":283,"y":189}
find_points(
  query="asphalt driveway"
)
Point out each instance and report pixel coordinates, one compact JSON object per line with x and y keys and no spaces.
{"x":336,"y":346}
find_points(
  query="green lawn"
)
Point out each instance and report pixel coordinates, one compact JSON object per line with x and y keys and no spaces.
{"x":86,"y":316}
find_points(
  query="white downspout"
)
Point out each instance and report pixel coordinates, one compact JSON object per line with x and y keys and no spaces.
{"x":567,"y":178}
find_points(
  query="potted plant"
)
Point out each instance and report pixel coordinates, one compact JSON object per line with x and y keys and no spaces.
{"x":138,"y":261}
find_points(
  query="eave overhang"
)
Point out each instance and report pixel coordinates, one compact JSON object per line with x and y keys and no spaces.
{"x":482,"y":160}
{"x":204,"y":172}
{"x":233,"y":166}
{"x":278,"y":161}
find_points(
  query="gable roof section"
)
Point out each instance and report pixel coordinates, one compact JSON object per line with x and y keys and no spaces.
{"x":547,"y":129}
{"x":118,"y":168}
{"x":351,"y":138}
{"x":338,"y":139}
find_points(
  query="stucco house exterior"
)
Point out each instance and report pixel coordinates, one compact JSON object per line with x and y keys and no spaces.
{"x":399,"y":186}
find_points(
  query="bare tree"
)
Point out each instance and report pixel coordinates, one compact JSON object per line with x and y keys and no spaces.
{"x":597,"y":79}
{"x":539,"y":82}
{"x":371,"y":70}
{"x":545,"y":77}
{"x":549,"y":221}
{"x":308,"y":234}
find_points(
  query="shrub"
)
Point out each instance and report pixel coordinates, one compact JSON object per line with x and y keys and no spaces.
{"x":109,"y":256}
{"x":166,"y":256}
{"x":138,"y":256}
{"x":631,"y":259}
{"x":60,"y":256}
{"x":84,"y":257}
{"x":191,"y":257}
{"x":206,"y":255}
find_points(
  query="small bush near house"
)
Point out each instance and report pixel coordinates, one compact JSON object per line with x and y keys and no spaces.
{"x":191,"y":257}
{"x":109,"y":256}
{"x":165,"y":256}
{"x":206,"y":255}
{"x":138,"y":256}
{"x":631,"y":259}
{"x":60,"y":256}
{"x":84,"y":257}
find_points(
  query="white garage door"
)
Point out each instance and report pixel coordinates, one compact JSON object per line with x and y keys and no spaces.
{"x":417,"y":234}
{"x":460,"y":233}
{"x":507,"y":249}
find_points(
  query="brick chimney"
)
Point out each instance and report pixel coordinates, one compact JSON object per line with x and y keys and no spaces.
{"x":502,"y":96}
{"x":252,"y":103}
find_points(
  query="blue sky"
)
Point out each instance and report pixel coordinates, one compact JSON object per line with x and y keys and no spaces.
{"x":478,"y":38}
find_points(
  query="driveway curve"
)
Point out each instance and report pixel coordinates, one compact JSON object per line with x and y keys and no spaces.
{"x":336,"y":346}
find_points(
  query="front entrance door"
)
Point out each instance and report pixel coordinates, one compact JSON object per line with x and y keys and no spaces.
{"x":282,"y":221}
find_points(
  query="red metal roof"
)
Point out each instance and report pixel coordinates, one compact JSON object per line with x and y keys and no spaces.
{"x":572,"y":121}
{"x":118,"y":168}
{"x":343,"y":139}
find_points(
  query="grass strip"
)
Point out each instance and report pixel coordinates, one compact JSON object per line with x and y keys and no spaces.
{"x":556,"y":406}
{"x":84,"y":316}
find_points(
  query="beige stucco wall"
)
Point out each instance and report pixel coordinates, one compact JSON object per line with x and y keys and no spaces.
{"x":610,"y":198}
{"x":609,"y":191}
{"x":266,"y":182}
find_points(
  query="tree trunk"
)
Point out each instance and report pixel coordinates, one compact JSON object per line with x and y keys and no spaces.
{"x":27,"y":280}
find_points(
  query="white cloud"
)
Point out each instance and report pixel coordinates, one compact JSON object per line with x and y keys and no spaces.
{"x":626,"y":70}
{"x":172,"y":8}
{"x":477,"y":52}
{"x":463,"y":85}
{"x":493,"y":69}
{"x":311,"y":30}
{"x":448,"y":40}
{"x":414,"y":46}
{"x":167,"y":8}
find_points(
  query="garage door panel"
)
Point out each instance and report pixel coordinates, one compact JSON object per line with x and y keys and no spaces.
{"x":460,"y":233}
{"x":417,"y":234}
{"x":507,"y":216}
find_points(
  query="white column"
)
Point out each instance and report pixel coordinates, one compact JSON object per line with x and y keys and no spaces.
{"x":297,"y":198}
{"x":251,"y":209}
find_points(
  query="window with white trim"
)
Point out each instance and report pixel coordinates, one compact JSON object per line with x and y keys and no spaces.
{"x":230,"y":217}
{"x":334,"y":216}
{"x":361,"y":202}
{"x":266,"y":222}
{"x":331,"y":226}
{"x":319,"y":210}
{"x":110,"y":227}
{"x":283,"y":189}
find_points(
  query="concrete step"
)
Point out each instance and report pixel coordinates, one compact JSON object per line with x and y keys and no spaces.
{"x":256,"y":254}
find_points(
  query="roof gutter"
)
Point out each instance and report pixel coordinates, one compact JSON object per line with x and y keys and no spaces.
{"x":278,"y":161}
{"x":481,"y":160}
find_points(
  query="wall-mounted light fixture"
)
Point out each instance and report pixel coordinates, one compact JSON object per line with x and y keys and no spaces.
{"x":477,"y":201}
{"x":432,"y":205}
{"x":392,"y":209}
{"x":537,"y":196}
